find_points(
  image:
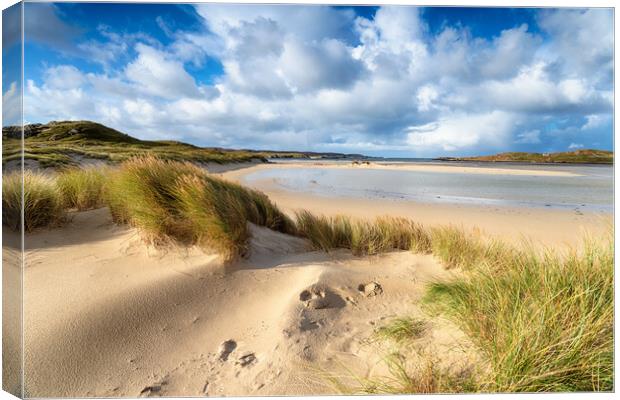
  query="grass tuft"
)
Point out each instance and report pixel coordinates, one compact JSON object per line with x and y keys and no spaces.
{"x":459,"y":249}
{"x":363,"y":237}
{"x":82,"y":188}
{"x":41,"y":201}
{"x":177,"y":201}
{"x":402,"y":330}
{"x":544,"y":322}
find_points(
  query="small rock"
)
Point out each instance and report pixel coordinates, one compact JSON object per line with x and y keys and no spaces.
{"x":246,"y":359}
{"x":370,"y":289}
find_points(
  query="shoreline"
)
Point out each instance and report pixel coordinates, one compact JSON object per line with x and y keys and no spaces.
{"x":549,"y":227}
{"x":395,"y":166}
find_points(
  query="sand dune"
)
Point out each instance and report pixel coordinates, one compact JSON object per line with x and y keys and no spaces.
{"x":106,"y":315}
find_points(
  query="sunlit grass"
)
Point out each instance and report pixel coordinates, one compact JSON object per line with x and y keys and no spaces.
{"x":41,"y":201}
{"x":363,"y":237}
{"x":82,"y":188}
{"x":182,"y":202}
{"x":544,"y":322}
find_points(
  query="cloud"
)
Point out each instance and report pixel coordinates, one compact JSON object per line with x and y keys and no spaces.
{"x":595,"y":121}
{"x":310,"y":67}
{"x":463,"y":131}
{"x":155,"y":73}
{"x":306,"y":23}
{"x":12,"y":105}
{"x":43,"y":25}
{"x":574,"y":146}
{"x":325,"y":79}
{"x":529,"y":137}
{"x":581,"y":40}
{"x":64,"y":77}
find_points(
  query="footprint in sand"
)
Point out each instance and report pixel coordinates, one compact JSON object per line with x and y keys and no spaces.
{"x":314,"y":298}
{"x":319,"y":298}
{"x":226,"y":348}
{"x":370,"y":289}
{"x":153,"y":390}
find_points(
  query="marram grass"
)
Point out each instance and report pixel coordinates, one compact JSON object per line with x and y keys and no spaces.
{"x":82,"y":188}
{"x":363,"y":237}
{"x":544,"y":322}
{"x":182,"y":202}
{"x":41,"y":201}
{"x":402,"y":329}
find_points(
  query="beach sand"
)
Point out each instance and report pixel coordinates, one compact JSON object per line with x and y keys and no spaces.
{"x":547,"y":227}
{"x":108,"y":315}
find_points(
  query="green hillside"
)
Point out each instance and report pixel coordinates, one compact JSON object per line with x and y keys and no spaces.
{"x":586,"y":156}
{"x":65,"y":143}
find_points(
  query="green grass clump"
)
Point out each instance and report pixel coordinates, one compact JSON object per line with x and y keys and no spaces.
{"x":459,"y":249}
{"x":180,"y":201}
{"x":363,"y":237}
{"x":82,"y":188}
{"x":41,"y":201}
{"x":544,"y":322}
{"x":402,"y":329}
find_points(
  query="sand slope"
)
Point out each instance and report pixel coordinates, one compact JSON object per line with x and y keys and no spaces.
{"x":106,"y":315}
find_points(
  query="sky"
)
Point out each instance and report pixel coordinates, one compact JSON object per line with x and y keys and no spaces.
{"x":383,"y":81}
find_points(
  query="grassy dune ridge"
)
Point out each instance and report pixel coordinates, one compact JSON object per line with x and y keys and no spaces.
{"x":543,"y":322}
{"x":179,"y":201}
{"x":582,"y":156}
{"x":59,"y":144}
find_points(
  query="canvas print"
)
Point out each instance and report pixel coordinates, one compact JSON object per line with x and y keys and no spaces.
{"x":254,"y":200}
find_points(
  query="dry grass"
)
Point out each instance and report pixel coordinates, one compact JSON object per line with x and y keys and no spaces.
{"x":177,"y":201}
{"x":41,"y":201}
{"x":363,"y":237}
{"x":82,"y":188}
{"x":544,"y":322}
{"x":402,"y":329}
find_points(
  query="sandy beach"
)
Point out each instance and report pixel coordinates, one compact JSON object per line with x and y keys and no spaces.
{"x":401,"y":166}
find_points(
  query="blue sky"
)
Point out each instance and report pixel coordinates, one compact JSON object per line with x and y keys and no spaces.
{"x":392,"y":81}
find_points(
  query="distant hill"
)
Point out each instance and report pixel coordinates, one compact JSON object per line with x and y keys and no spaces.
{"x":586,"y":156}
{"x":63,"y":143}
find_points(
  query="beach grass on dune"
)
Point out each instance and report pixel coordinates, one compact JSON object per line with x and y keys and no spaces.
{"x":41,"y":201}
{"x":363,"y":237}
{"x":82,"y":188}
{"x":543,"y":321}
{"x":182,"y":202}
{"x":402,"y":329}
{"x":459,"y":249}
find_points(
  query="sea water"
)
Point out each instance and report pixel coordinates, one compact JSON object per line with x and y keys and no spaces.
{"x":592,"y":190}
